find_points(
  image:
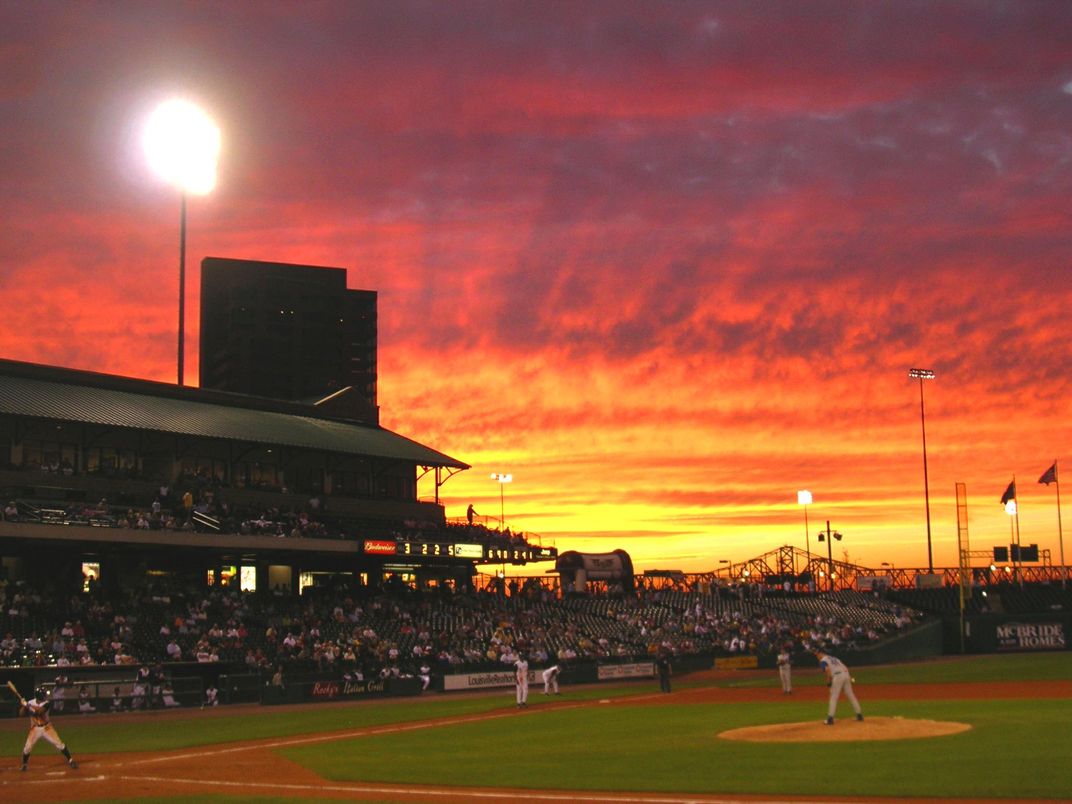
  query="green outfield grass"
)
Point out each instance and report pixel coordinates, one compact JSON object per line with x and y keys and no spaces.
{"x":1016,"y":747}
{"x":996,"y":667}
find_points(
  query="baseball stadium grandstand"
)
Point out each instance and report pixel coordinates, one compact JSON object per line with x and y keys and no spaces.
{"x":160,"y":541}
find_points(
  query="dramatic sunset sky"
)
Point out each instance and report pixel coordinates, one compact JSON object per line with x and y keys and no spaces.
{"x":666,"y":263}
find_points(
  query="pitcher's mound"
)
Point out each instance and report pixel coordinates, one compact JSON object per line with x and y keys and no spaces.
{"x":872,"y":728}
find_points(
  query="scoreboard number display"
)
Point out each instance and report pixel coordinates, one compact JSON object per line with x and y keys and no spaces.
{"x":475,"y":552}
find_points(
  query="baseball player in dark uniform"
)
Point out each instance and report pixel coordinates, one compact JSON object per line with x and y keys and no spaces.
{"x":665,"y":669}
{"x":41,"y":727}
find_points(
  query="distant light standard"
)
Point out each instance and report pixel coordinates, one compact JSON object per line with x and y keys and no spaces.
{"x":1012,"y":508}
{"x":503,"y":480}
{"x":182,"y":145}
{"x":804,"y":498}
{"x":828,"y":536}
{"x":921,"y":375}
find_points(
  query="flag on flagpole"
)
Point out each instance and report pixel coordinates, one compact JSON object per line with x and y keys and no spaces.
{"x":1050,"y":475}
{"x":1010,"y":493}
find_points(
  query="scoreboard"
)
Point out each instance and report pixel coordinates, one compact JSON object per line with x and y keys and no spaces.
{"x":407,"y":548}
{"x":519,"y":554}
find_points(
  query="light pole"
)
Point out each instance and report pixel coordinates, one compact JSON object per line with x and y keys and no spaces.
{"x":1012,"y":508}
{"x":503,"y":480}
{"x":921,"y":375}
{"x":829,"y":537}
{"x":182,"y":145}
{"x":804,"y":498}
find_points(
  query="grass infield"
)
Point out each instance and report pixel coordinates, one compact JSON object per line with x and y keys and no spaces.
{"x":642,"y":742}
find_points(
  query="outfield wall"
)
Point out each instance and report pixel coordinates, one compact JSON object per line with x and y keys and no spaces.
{"x":1019,"y":633}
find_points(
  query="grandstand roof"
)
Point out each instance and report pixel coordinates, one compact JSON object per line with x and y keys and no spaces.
{"x":54,"y":393}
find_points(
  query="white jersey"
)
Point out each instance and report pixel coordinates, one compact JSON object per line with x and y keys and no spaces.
{"x":833,"y":664}
{"x":522,"y":678}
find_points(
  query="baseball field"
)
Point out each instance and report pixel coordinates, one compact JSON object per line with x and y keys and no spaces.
{"x":973,"y":729}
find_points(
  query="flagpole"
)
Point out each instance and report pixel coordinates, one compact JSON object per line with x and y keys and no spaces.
{"x":1060,"y":533}
{"x":1019,"y":549}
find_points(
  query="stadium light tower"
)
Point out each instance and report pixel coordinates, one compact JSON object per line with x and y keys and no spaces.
{"x":828,"y":536}
{"x":921,"y":375}
{"x":182,"y":145}
{"x":503,"y":480}
{"x":804,"y":498}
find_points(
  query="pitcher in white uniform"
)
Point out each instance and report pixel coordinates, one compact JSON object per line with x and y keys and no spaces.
{"x":839,"y":680}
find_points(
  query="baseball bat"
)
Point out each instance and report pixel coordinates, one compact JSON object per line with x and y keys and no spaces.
{"x":11,"y":686}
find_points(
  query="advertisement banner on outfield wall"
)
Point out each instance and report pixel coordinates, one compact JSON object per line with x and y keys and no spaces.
{"x":1004,"y":633}
{"x":610,"y":672}
{"x":1031,"y":636}
{"x":483,"y":681}
{"x":737,"y":663}
{"x":311,"y":691}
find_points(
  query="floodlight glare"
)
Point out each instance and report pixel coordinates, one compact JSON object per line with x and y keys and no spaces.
{"x":182,"y":145}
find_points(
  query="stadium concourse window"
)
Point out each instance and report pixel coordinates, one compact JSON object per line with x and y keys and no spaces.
{"x":50,"y":456}
{"x":314,"y":580}
{"x":257,"y":475}
{"x":350,"y":484}
{"x":206,"y":467}
{"x":90,"y":575}
{"x":110,"y":461}
{"x":227,"y":576}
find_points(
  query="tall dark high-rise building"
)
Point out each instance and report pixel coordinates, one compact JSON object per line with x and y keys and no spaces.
{"x":287,"y":332}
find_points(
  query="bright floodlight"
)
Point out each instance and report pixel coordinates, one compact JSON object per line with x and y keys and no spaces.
{"x":183,"y":146}
{"x":502,"y":478}
{"x":1010,"y":508}
{"x":803,"y":498}
{"x":920,"y":374}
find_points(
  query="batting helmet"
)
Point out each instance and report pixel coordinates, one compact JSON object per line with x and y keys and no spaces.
{"x":41,"y":693}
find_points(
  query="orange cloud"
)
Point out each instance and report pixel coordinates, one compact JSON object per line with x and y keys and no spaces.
{"x":665,"y":272}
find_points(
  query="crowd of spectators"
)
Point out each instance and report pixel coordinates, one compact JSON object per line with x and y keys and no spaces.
{"x":396,"y":631}
{"x":196,"y":503}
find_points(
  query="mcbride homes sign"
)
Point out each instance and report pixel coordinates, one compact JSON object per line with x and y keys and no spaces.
{"x":1031,"y":636}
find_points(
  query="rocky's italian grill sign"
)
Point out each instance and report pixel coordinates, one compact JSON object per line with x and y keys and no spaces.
{"x":1031,"y":636}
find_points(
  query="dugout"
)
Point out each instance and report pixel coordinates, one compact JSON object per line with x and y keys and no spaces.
{"x":585,"y":573}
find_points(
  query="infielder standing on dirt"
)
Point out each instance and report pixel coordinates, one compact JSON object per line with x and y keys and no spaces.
{"x":839,"y":680}
{"x":785,"y":669}
{"x":522,"y":679}
{"x":41,"y":727}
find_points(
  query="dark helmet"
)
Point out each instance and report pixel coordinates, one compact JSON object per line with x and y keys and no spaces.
{"x":41,"y":693}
